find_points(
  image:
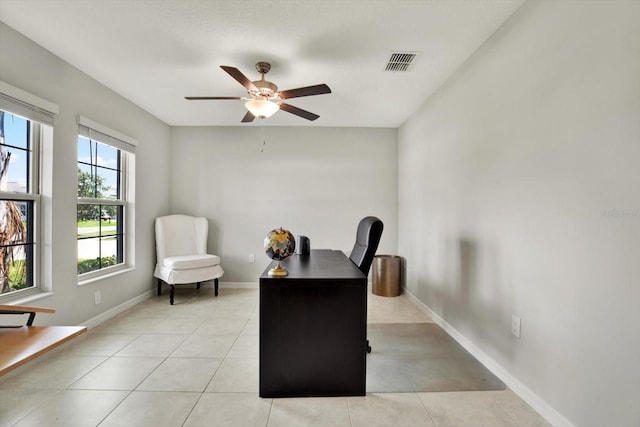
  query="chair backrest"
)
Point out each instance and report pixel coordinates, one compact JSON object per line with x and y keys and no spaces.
{"x":181,"y":235}
{"x":367,"y":239}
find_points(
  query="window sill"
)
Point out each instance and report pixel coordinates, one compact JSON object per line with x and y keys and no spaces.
{"x":26,"y":299}
{"x":106,"y":275}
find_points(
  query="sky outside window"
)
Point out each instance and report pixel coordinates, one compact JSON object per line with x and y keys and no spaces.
{"x":15,"y":135}
{"x":105,"y":157}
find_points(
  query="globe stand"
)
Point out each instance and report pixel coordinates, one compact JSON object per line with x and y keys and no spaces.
{"x":278,"y":271}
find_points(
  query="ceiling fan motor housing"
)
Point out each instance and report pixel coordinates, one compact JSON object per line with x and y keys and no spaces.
{"x":265,"y":88}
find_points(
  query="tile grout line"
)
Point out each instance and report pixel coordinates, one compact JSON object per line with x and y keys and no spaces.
{"x":115,"y":407}
{"x":193,"y":407}
{"x":426,"y":410}
{"x":270,"y":410}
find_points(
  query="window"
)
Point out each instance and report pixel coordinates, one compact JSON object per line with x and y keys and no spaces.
{"x":105,"y":162}
{"x":22,"y":129}
{"x":18,"y":197}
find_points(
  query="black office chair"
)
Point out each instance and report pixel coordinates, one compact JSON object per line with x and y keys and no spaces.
{"x":367,"y":239}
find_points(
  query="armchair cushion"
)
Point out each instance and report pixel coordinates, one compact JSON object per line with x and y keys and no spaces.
{"x":186,"y":262}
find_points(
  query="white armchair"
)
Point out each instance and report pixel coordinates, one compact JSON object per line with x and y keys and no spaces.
{"x":181,"y":249}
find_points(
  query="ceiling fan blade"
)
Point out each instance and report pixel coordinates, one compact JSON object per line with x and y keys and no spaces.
{"x":298,"y":111}
{"x":241,"y":78}
{"x":248,"y":118}
{"x":205,"y":98}
{"x":305,"y":91}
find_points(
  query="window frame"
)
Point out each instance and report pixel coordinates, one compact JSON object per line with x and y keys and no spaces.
{"x":41,"y":112}
{"x":125,"y":145}
{"x":33,"y":195}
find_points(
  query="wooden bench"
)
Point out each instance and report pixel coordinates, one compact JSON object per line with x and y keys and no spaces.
{"x":20,"y":344}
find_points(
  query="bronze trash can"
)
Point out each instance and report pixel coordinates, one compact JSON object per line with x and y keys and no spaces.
{"x":386,"y":275}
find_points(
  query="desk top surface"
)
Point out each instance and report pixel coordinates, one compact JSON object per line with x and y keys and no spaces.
{"x":321,"y":264}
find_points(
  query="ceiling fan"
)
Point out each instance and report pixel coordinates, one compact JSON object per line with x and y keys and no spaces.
{"x":264,"y":98}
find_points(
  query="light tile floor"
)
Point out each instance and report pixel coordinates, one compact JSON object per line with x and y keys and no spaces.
{"x":196,"y":364}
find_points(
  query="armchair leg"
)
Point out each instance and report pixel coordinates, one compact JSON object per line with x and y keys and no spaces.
{"x":159,"y":287}
{"x":198,"y":285}
{"x":171,"y":293}
{"x":215,"y":286}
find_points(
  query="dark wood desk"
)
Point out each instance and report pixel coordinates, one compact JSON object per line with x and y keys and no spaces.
{"x":313,"y":328}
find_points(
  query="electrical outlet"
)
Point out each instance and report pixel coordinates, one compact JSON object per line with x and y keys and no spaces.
{"x":252,"y":258}
{"x":515,"y":326}
{"x":97,"y":297}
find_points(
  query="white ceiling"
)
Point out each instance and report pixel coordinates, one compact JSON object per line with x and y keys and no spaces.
{"x":155,"y":52}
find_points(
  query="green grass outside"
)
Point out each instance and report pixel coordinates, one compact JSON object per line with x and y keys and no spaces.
{"x":87,"y":265}
{"x":94,"y":223}
{"x":17,"y":278}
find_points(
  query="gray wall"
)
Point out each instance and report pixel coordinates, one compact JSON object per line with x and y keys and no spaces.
{"x":318,"y":182}
{"x":28,"y":66}
{"x":512,"y":191}
{"x":518,"y":194}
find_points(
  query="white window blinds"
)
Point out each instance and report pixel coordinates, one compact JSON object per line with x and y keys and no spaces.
{"x":24,"y":104}
{"x":92,"y":130}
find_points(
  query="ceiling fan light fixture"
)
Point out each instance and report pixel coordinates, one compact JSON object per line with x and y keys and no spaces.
{"x":261,"y":108}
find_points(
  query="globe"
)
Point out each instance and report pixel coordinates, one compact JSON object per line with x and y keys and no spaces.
{"x":278,"y":245}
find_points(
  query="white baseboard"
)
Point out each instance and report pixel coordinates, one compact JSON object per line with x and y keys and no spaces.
{"x":552,"y":416}
{"x":112,"y":312}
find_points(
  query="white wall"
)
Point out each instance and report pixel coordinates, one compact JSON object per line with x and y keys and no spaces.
{"x":25,"y":65}
{"x":510,"y":178}
{"x":313,"y":181}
